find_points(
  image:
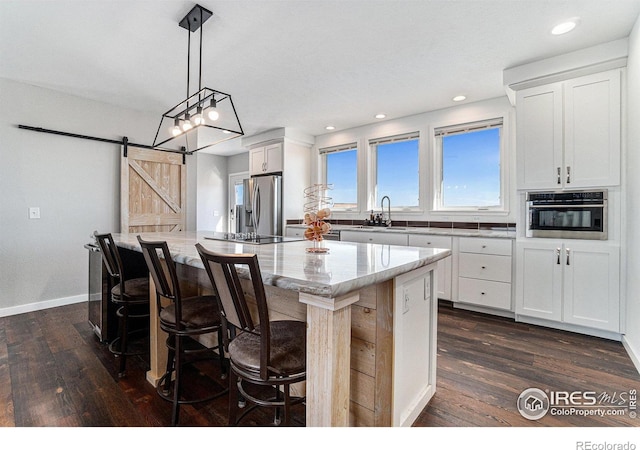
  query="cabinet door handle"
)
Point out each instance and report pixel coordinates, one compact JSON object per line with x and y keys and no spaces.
{"x":568,"y":174}
{"x":568,"y":257}
{"x":558,"y":255}
{"x":559,"y":175}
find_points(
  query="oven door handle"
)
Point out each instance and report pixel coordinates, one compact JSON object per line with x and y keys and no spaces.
{"x":587,"y":205}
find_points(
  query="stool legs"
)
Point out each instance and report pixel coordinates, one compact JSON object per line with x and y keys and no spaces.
{"x":124,"y":340}
{"x":233,"y":398}
{"x":177,"y":384}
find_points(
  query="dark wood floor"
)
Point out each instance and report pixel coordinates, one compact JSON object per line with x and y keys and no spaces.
{"x":53,"y":372}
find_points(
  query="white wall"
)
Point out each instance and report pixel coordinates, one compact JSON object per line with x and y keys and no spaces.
{"x":238,"y":163}
{"x":74,"y":182}
{"x":632,"y":338}
{"x":212,"y":187}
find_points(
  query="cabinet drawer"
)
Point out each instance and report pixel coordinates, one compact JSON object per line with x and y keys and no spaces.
{"x":429,"y":241}
{"x":374,"y":237}
{"x":389,"y":238}
{"x":485,"y":293}
{"x":486,"y":246}
{"x":294,"y":232}
{"x":485,"y":267}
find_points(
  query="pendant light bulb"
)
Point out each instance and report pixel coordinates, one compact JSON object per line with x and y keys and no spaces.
{"x":175,"y":129}
{"x":212,"y":112}
{"x":186,"y":124}
{"x":198,"y":118}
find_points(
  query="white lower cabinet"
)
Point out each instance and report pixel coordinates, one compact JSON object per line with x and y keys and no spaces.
{"x":485,"y":272}
{"x":415,"y":316}
{"x":294,"y":232}
{"x":444,"y":265}
{"x":374,"y":237}
{"x":573,"y":282}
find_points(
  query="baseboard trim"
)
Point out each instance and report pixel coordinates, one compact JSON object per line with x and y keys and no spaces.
{"x":38,"y":306}
{"x":611,"y":335}
{"x":631,"y":351}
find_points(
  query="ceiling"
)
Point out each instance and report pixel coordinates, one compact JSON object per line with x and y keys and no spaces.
{"x":302,"y":64}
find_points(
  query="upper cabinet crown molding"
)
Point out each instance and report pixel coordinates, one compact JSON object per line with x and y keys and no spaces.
{"x":599,"y":58}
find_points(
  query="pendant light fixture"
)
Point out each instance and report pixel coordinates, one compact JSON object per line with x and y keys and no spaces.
{"x":204,"y":118}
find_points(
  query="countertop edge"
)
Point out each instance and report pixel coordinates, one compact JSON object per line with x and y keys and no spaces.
{"x":457,"y":232}
{"x":306,"y":286}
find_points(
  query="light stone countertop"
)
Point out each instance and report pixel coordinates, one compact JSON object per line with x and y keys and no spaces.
{"x":347,"y":267}
{"x":461,"y":232}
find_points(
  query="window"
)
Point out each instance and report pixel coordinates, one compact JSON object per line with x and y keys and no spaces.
{"x":340,"y":167}
{"x":470,"y":170}
{"x":396,"y":170}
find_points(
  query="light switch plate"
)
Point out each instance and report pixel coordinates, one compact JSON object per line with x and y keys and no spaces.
{"x":34,"y":212}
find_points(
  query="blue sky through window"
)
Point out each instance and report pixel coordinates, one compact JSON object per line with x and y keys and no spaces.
{"x":398,"y":173}
{"x":471,"y":169}
{"x":342,"y":174}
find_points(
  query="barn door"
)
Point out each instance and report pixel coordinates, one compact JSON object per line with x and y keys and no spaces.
{"x":152,"y":191}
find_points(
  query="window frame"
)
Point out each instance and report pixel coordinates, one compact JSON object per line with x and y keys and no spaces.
{"x":372,"y":174}
{"x":323,"y":152}
{"x":493,"y":121}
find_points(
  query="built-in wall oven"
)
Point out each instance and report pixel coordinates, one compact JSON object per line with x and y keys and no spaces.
{"x":567,"y":214}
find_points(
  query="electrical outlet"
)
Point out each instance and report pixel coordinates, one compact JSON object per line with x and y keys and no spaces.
{"x":216,"y":213}
{"x":476,"y":218}
{"x":34,"y":212}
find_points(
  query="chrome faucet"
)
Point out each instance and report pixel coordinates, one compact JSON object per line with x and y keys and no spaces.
{"x":386,"y":221}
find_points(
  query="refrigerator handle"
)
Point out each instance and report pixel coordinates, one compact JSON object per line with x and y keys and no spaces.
{"x":255,"y":206}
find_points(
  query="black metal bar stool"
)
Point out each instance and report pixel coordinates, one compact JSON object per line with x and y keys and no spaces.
{"x":269,"y":354}
{"x":131,"y":295}
{"x":183,"y":319}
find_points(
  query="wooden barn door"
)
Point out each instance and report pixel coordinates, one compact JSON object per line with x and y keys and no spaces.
{"x":153,"y":191}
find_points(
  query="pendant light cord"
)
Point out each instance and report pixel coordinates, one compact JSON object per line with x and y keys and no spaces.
{"x":188,"y":58}
{"x":200,"y":63}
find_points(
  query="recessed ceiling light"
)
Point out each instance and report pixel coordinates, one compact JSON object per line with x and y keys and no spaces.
{"x":564,"y":27}
{"x":380,"y":116}
{"x":329,"y":127}
{"x":459,"y":98}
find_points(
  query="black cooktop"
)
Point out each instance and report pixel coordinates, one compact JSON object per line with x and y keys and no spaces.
{"x":250,"y":238}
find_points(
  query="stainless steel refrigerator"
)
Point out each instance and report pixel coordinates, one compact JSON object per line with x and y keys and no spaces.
{"x":263,"y":205}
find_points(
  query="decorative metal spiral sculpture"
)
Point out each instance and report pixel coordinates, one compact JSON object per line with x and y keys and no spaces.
{"x":316,"y":212}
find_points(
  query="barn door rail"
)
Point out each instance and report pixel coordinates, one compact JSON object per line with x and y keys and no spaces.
{"x":124,"y":142}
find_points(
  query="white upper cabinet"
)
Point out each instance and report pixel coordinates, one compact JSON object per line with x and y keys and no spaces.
{"x":568,"y":133}
{"x":592,"y":130}
{"x":266,"y":159}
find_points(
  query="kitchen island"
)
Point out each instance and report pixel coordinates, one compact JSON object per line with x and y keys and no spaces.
{"x":371,"y":313}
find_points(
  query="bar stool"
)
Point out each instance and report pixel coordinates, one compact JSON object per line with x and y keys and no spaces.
{"x":271,"y":353}
{"x":183,"y":319}
{"x":132,"y":298}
